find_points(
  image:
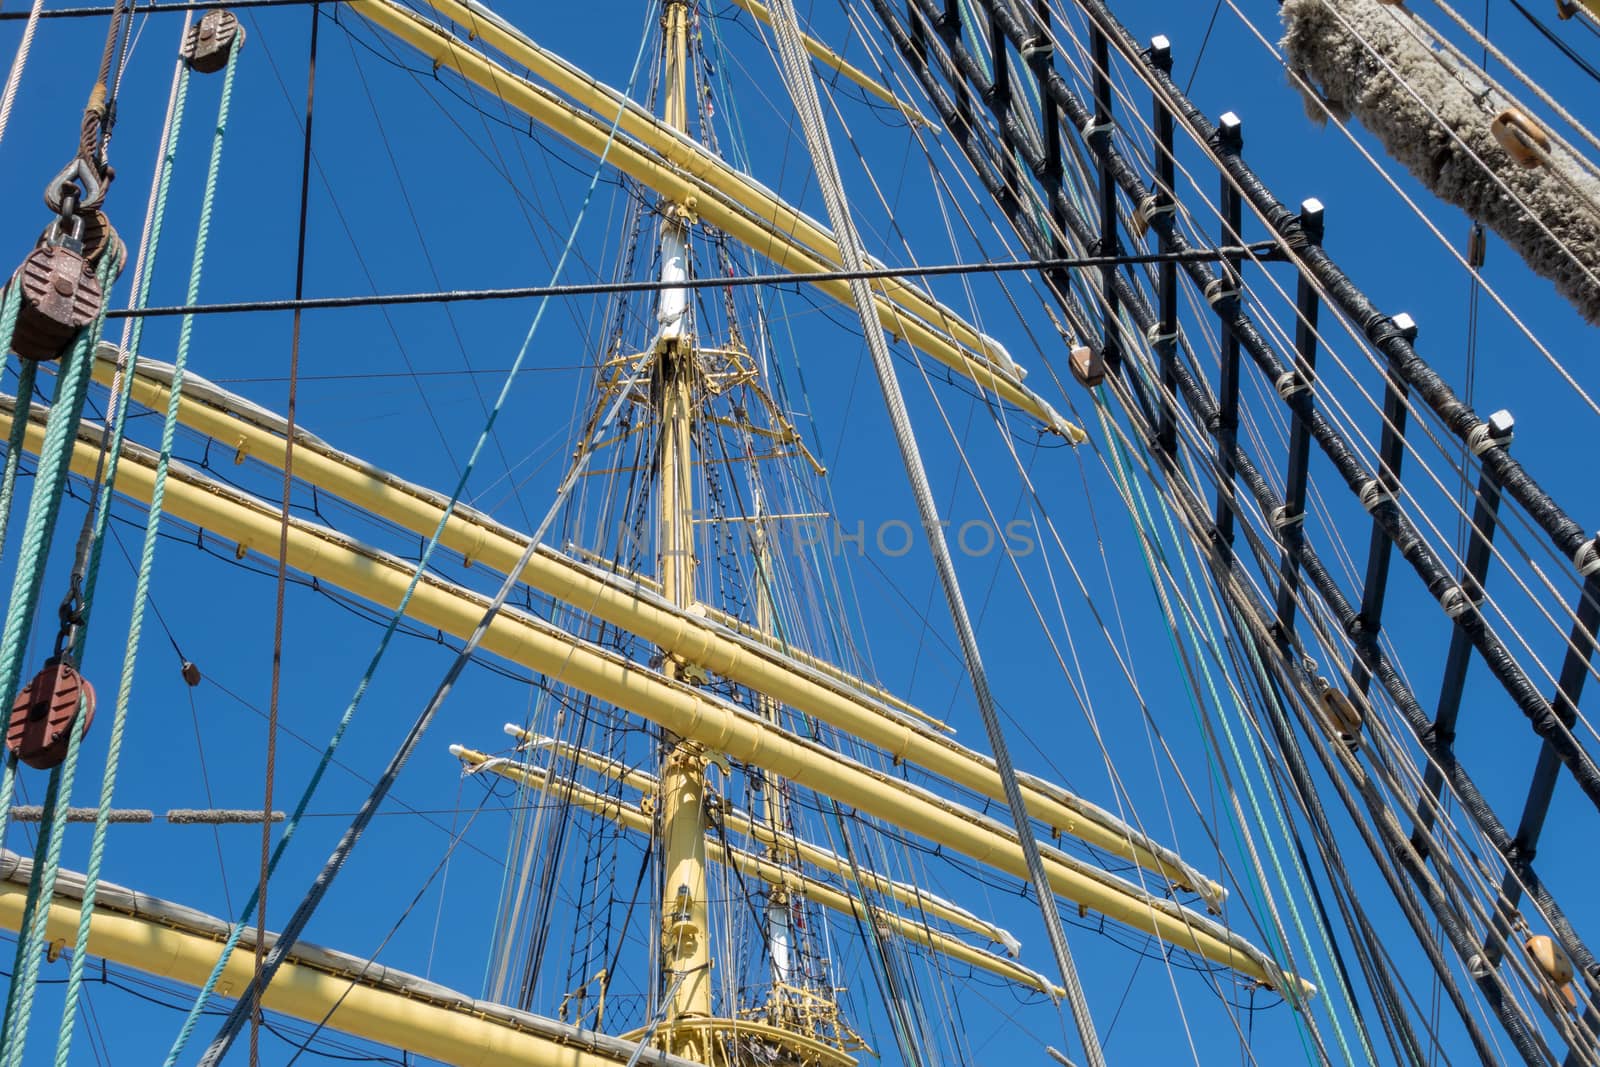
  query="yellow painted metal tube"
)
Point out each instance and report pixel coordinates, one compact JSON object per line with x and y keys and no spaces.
{"x":452,"y":1035}
{"x":744,"y":629}
{"x":685,"y":173}
{"x":834,"y":61}
{"x":683,"y":151}
{"x":742,"y":824}
{"x":630,"y":817}
{"x":819,"y":51}
{"x":721,"y":727}
{"x":481,"y":540}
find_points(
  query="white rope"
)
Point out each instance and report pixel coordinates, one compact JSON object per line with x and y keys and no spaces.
{"x":1500,"y":57}
{"x":803,"y":89}
{"x":15,"y":78}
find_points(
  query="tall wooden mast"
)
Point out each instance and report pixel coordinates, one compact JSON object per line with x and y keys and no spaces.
{"x":685,"y":940}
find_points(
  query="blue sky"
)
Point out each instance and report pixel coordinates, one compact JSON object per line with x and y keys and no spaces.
{"x":411,"y":192}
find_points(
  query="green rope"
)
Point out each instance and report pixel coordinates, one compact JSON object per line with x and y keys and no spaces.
{"x":19,"y":418}
{"x":186,"y":1031}
{"x":54,"y":464}
{"x":1210,"y":644}
{"x":141,"y":595}
{"x":26,"y":373}
{"x":19,"y":426}
{"x":55,"y":456}
{"x":1254,"y":747}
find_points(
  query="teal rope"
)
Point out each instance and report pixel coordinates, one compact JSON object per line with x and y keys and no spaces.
{"x":1253,"y":746}
{"x":26,"y":373}
{"x":67,"y":412}
{"x":129,"y":360}
{"x":293,"y":822}
{"x":19,"y":426}
{"x":141,"y":594}
{"x":1209,"y":643}
{"x":29,"y":906}
{"x":45,"y":504}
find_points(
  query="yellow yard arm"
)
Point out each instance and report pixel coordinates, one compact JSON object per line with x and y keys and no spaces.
{"x":689,"y":713}
{"x":631,"y":817}
{"x":738,"y":656}
{"x":835,"y":62}
{"x":368,"y":1001}
{"x":684,"y":172}
{"x":819,"y":51}
{"x":823,"y":859}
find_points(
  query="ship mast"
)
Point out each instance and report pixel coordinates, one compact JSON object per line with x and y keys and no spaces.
{"x":685,"y":940}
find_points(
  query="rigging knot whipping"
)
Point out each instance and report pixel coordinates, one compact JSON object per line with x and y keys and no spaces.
{"x":1223,"y":290}
{"x":1374,"y":493}
{"x":1497,"y":431}
{"x":1587,"y":558}
{"x":1291,"y":383}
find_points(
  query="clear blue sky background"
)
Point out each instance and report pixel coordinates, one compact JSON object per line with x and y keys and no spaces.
{"x":391,"y":387}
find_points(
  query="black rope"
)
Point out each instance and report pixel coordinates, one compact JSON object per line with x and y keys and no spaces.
{"x":1265,"y":250}
{"x":150,"y":9}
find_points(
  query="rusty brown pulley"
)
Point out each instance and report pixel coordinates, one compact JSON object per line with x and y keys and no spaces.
{"x":42,"y":715}
{"x":60,"y":296}
{"x":209,"y":42}
{"x":98,"y":236}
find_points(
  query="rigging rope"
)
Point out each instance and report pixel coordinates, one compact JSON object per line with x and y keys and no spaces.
{"x":49,"y":482}
{"x":290,"y":933}
{"x":153,"y":520}
{"x":803,"y":91}
{"x":1213,"y":644}
{"x":14,"y":79}
{"x":281,"y":583}
{"x":302,"y":915}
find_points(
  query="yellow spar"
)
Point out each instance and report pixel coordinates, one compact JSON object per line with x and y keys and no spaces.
{"x":355,"y":997}
{"x":480,"y":540}
{"x":630,"y":817}
{"x":719,"y":726}
{"x":685,"y":173}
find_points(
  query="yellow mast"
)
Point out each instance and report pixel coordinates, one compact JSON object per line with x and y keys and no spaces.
{"x":685,"y":929}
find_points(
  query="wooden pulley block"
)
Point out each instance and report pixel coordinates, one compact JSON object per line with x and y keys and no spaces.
{"x":1341,"y":713}
{"x":42,"y":714}
{"x":60,"y":296}
{"x":209,"y":42}
{"x":1084,"y":368}
{"x":1524,"y":140}
{"x":1554,"y":964}
{"x":96,"y":233}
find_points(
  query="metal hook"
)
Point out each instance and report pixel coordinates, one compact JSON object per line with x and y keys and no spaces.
{"x":78,"y":172}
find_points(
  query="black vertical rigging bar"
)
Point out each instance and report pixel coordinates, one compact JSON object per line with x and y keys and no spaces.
{"x":1485,"y":510}
{"x":1098,"y":136}
{"x":1296,"y":390}
{"x":1569,"y":686}
{"x":1224,"y":296}
{"x":1381,"y":488}
{"x":1165,"y":339}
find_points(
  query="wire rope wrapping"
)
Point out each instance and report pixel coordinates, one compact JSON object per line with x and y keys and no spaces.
{"x":286,"y":939}
{"x":44,"y":508}
{"x":803,"y":92}
{"x":153,"y":520}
